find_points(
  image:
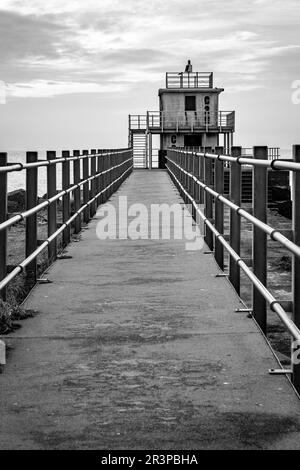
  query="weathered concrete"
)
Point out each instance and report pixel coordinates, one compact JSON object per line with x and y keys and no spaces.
{"x":137,"y":345}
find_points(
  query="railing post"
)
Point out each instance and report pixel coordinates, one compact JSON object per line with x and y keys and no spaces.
{"x":196,"y":174}
{"x":99,"y":169}
{"x":77,"y":191}
{"x":3,"y":218}
{"x":113,"y":173}
{"x":104,"y":179}
{"x":259,"y":201}
{"x":190,"y":170}
{"x":97,"y":179}
{"x":31,"y":221}
{"x":296,"y":260}
{"x":52,"y":212}
{"x":93,"y":183}
{"x":208,"y":199}
{"x":85,"y":175}
{"x":66,"y":198}
{"x":235,"y":220}
{"x":101,"y":177}
{"x":186,"y":167}
{"x":109,"y":175}
{"x":192,"y":183}
{"x":201,"y":176}
{"x":219,"y":207}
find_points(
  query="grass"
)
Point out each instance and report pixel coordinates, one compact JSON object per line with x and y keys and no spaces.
{"x":9,"y":314}
{"x":11,"y":310}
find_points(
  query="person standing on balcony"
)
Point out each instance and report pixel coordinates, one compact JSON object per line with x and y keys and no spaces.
{"x":188,"y":67}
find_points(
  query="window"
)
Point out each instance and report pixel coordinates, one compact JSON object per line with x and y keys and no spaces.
{"x":190,"y":103}
{"x":194,"y":140}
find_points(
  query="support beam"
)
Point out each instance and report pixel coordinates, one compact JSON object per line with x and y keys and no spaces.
{"x":219,"y":207}
{"x":66,"y":197}
{"x":259,"y":201}
{"x":3,"y":218}
{"x":31,"y":221}
{"x":235,"y":221}
{"x":296,"y":261}
{"x":52,"y":209}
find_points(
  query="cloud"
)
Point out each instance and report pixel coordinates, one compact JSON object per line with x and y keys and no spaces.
{"x":27,"y":36}
{"x":49,"y":89}
{"x":92,"y":46}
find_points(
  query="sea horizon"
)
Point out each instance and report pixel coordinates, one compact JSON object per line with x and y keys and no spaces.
{"x":17,"y":180}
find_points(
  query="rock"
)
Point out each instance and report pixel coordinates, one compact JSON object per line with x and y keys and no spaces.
{"x":285,"y":209}
{"x":285,"y":263}
{"x":16,"y":200}
{"x":280,"y":193}
{"x":12,"y":207}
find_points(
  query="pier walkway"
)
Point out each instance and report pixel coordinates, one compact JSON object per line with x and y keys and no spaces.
{"x":137,"y":345}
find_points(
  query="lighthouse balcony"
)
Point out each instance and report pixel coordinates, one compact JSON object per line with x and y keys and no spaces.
{"x":189,"y":80}
{"x":187,"y":121}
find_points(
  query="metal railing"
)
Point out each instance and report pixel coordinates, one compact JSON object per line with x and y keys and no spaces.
{"x":273,"y":152}
{"x":183,"y":121}
{"x":189,"y":80}
{"x":202,"y":184}
{"x":97,"y":174}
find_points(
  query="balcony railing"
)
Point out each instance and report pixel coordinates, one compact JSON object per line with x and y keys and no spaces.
{"x":189,"y":121}
{"x":273,"y":152}
{"x":189,"y":80}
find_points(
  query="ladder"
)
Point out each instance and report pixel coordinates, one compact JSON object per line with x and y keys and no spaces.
{"x":140,"y":150}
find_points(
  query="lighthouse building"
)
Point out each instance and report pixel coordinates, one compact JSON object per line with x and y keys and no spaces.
{"x":188,"y":116}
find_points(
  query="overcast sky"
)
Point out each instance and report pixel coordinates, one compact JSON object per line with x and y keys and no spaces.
{"x":75,"y":69}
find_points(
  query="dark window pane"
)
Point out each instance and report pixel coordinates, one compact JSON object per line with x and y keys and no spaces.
{"x":194,"y":140}
{"x":190,"y":103}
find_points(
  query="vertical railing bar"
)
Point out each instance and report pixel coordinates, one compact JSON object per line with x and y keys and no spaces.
{"x":85,"y":175}
{"x":77,"y":192}
{"x":208,"y":198}
{"x":101,"y":177}
{"x":31,"y":221}
{"x":98,"y":178}
{"x":219,"y":207}
{"x":66,"y":198}
{"x":52,"y":208}
{"x":259,"y":201}
{"x":196,"y":174}
{"x":3,"y":218}
{"x":296,"y":262}
{"x":235,"y":221}
{"x":93,"y":183}
{"x":201,"y":175}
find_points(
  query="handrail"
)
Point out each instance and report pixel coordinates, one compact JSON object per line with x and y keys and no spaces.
{"x":25,"y":166}
{"x":24,"y":215}
{"x":159,"y":119}
{"x":275,"y":164}
{"x":273,"y":233}
{"x":98,"y":183}
{"x":192,"y":173}
{"x":189,"y":80}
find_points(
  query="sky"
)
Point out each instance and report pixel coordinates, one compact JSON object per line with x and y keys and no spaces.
{"x":73,"y":70}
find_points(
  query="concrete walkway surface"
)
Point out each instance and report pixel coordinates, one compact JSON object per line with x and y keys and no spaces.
{"x":137,"y":345}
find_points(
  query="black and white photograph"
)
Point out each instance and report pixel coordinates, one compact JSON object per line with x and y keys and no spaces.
{"x":149,"y":229}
